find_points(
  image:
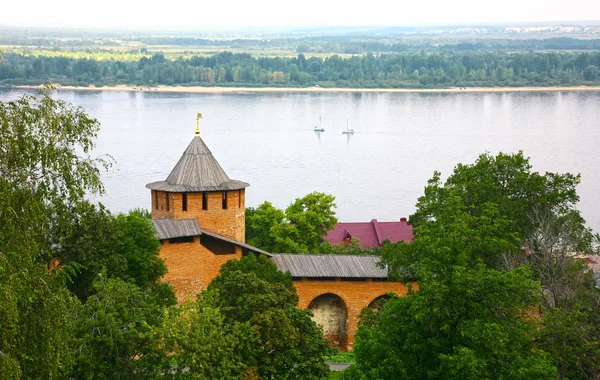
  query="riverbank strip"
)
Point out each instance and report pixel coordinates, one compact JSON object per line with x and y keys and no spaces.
{"x":210,"y":90}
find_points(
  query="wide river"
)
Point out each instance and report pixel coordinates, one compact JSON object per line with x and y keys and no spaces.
{"x":267,"y":140}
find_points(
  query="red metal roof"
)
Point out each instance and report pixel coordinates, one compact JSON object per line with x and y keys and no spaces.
{"x":371,"y":233}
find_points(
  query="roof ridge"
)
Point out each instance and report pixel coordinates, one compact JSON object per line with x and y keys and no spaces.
{"x":378,"y":233}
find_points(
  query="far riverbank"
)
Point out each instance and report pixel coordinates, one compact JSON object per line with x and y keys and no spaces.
{"x":202,"y":89}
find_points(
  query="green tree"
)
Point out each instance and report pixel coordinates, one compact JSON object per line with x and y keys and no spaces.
{"x":300,"y":229}
{"x":268,"y":229}
{"x":590,"y":72}
{"x":495,"y":214}
{"x":46,"y":168}
{"x":45,"y":165}
{"x":313,"y":216}
{"x":472,"y":325}
{"x":124,"y":245}
{"x":196,"y":343}
{"x":353,"y":248}
{"x":570,"y":318}
{"x":114,"y":332}
{"x":36,"y":325}
{"x":502,"y":191}
{"x":291,"y":345}
{"x":466,"y":321}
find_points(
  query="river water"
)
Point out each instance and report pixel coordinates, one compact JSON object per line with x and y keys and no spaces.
{"x":267,"y":140}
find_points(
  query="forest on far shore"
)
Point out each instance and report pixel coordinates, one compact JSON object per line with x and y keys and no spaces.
{"x":384,"y":70}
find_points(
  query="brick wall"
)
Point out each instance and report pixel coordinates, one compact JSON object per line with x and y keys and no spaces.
{"x":192,"y":266}
{"x":355,"y":294}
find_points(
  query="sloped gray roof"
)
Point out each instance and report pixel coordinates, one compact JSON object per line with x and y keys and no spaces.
{"x":236,"y":242}
{"x":329,"y":266}
{"x":197,"y":170}
{"x":171,"y":228}
{"x":168,"y":228}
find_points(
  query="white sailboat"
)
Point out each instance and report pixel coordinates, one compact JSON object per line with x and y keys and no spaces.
{"x":318,"y":127}
{"x":348,"y":131}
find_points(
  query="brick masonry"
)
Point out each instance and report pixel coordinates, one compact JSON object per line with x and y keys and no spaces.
{"x":355,"y":294}
{"x":192,"y":266}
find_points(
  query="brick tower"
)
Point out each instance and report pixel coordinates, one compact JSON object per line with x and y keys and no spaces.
{"x":199,"y":215}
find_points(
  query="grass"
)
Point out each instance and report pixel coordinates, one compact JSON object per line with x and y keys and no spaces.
{"x":341,"y":357}
{"x":336,"y":375}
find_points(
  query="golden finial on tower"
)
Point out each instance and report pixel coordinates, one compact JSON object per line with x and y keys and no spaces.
{"x":198,"y":123}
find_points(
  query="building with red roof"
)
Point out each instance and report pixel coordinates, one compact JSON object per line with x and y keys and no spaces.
{"x":371,"y":234}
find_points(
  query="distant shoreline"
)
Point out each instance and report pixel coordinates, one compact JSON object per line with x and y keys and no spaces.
{"x":217,"y":90}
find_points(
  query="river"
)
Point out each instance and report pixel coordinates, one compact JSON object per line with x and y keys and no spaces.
{"x":267,"y":140}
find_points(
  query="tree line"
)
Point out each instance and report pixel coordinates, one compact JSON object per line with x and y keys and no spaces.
{"x":323,"y":43}
{"x":404,"y":70}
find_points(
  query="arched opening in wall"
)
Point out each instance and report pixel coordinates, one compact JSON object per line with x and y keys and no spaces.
{"x":331,"y":312}
{"x":377,"y":303}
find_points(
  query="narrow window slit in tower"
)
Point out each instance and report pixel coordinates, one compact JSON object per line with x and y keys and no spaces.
{"x":204,"y":201}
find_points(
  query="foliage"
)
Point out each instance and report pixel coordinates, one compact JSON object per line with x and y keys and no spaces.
{"x":396,"y":66}
{"x":312,"y":216}
{"x":572,"y":338}
{"x":114,"y":332}
{"x":300,"y":229}
{"x":550,"y":247}
{"x":142,"y":212}
{"x":470,"y":324}
{"x":35,"y":320}
{"x":50,"y":236}
{"x":196,"y":343}
{"x":570,"y":317}
{"x":353,"y":248}
{"x":268,"y":229}
{"x":124,"y":245}
{"x":500,"y":193}
{"x":252,"y":290}
{"x":468,"y":317}
{"x":45,"y":165}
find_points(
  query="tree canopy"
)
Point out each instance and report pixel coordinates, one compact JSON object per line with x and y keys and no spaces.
{"x":113,"y":332}
{"x":45,"y":165}
{"x":493,"y":256}
{"x":252,"y":290}
{"x":497,"y":195}
{"x":123,"y":245}
{"x":301,"y":228}
{"x":58,"y":318}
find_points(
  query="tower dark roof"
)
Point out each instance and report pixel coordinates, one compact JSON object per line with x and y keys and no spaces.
{"x":197,"y":170}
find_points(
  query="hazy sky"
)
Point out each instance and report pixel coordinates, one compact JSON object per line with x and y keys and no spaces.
{"x":185,"y":13}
